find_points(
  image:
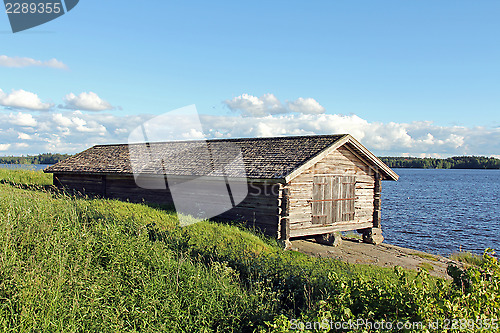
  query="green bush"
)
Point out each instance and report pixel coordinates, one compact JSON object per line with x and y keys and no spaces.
{"x":469,"y":304}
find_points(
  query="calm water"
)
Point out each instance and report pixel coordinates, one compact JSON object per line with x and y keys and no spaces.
{"x":24,"y":166}
{"x":442,"y":211}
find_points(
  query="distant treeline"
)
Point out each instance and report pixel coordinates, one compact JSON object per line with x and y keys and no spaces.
{"x":457,"y":162}
{"x":46,"y":158}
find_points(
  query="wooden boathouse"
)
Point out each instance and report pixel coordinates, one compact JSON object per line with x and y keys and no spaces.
{"x":298,"y":186}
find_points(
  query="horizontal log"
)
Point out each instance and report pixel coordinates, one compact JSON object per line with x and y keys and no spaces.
{"x":363,"y":214}
{"x":307,"y":223}
{"x":300,"y":212}
{"x":368,"y":204}
{"x":308,"y":179}
{"x":362,"y":192}
{"x":300,"y":217}
{"x":328,"y":229}
{"x":368,"y":209}
{"x":261,"y":220}
{"x":78,"y":177}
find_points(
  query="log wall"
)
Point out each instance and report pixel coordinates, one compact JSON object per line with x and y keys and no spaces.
{"x":83,"y":184}
{"x":261,"y":208}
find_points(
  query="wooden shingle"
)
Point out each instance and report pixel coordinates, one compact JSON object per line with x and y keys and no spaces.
{"x":267,"y":158}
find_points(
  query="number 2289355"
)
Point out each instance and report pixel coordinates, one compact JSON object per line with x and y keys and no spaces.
{"x":33,"y":8}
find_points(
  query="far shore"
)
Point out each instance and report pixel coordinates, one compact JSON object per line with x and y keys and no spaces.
{"x":455,"y":162}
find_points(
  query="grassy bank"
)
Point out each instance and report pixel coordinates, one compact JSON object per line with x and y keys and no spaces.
{"x":74,"y":265}
{"x":25,"y":177}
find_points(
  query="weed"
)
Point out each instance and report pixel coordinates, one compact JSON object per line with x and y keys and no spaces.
{"x":468,"y":258}
{"x":425,"y":256}
{"x":425,"y":265}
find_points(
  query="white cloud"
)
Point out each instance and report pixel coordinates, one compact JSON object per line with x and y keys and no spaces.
{"x":306,"y":106}
{"x":74,"y":131}
{"x":65,"y":124}
{"x":269,"y":104}
{"x":24,"y":136}
{"x":121,"y":131}
{"x":61,"y":120}
{"x":4,"y":146}
{"x":86,"y":101}
{"x":250,"y":105}
{"x":66,"y":131}
{"x":22,"y":99}
{"x":193,"y":134}
{"x":18,"y":62}
{"x":382,"y":138}
{"x":22,"y":119}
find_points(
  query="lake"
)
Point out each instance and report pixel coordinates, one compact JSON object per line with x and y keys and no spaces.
{"x":25,"y":166}
{"x":442,"y":211}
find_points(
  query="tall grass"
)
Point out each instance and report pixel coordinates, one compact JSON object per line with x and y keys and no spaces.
{"x":25,"y":177}
{"x":468,"y":258}
{"x":71,"y":264}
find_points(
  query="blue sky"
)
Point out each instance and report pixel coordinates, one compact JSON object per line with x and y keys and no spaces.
{"x":416,"y":78}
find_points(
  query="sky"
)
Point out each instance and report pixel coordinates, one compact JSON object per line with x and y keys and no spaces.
{"x":406,"y":78}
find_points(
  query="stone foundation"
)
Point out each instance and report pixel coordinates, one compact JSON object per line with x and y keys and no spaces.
{"x":373,"y":236}
{"x":334,"y":239}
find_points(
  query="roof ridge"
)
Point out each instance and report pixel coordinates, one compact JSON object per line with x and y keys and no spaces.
{"x":231,"y":139}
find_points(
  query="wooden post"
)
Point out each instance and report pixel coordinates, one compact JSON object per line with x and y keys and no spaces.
{"x":374,"y":235}
{"x":377,"y":202}
{"x":283,"y":226}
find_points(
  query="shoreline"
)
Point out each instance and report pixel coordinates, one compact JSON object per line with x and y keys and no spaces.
{"x":382,"y":255}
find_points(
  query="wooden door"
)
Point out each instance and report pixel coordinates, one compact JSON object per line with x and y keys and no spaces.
{"x":333,"y":199}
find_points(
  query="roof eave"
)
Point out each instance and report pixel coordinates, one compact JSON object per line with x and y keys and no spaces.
{"x":317,"y":158}
{"x":170,"y":176}
{"x":368,"y":157}
{"x":383,"y":168}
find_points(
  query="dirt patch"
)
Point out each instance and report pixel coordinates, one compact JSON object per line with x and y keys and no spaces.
{"x":383,"y":255}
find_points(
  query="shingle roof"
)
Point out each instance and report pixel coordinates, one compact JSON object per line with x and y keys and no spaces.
{"x":269,"y":158}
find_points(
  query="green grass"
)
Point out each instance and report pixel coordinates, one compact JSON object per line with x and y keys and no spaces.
{"x":352,"y":235}
{"x":25,"y":177}
{"x":468,"y":258}
{"x":425,"y":265}
{"x":70,"y":264}
{"x":425,"y":256}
